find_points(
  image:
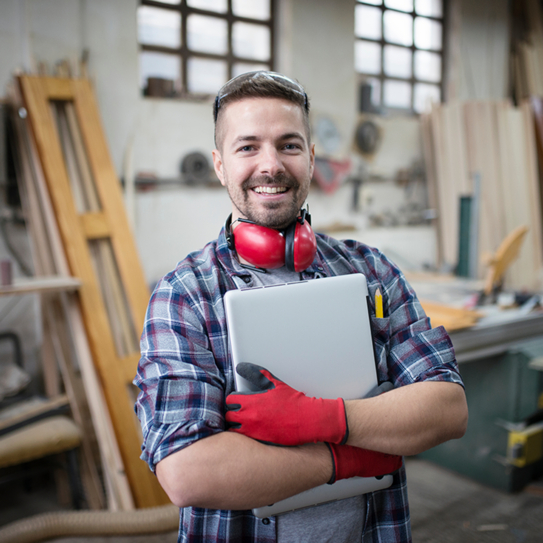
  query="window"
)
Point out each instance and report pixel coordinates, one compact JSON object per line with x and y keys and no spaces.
{"x":190,"y":48}
{"x":399,"y":53}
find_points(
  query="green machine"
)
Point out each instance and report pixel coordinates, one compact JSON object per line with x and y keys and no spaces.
{"x":503,"y":376}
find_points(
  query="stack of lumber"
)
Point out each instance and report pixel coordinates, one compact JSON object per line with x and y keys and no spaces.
{"x":494,"y":143}
{"x":452,"y":318}
{"x":526,"y":65}
{"x":78,"y":228}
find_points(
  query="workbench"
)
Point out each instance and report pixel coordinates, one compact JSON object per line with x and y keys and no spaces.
{"x":501,"y":363}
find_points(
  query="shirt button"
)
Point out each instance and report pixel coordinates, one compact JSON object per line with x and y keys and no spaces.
{"x":246,"y":278}
{"x":265,"y":521}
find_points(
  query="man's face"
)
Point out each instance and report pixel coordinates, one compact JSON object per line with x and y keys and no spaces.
{"x":265,"y":160}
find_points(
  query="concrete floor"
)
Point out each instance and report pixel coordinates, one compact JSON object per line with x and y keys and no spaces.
{"x":445,"y":507}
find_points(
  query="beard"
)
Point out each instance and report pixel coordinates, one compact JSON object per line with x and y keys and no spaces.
{"x":277,"y":215}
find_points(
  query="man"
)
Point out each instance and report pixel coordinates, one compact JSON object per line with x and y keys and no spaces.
{"x":216,"y":473}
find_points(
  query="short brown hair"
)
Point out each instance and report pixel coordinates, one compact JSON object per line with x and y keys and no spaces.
{"x":261,"y":84}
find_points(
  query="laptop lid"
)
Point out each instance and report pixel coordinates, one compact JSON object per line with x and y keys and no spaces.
{"x":316,"y":336}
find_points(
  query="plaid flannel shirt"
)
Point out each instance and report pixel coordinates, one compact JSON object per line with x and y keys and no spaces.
{"x":185,"y":371}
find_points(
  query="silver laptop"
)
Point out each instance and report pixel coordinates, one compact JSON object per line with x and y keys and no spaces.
{"x":316,"y":336}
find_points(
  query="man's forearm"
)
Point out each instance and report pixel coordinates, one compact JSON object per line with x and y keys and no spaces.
{"x":231,"y":471}
{"x":409,"y":419}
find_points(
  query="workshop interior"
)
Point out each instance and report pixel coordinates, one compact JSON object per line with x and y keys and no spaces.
{"x":427,"y":119}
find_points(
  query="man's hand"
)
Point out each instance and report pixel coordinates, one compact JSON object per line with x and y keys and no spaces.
{"x":279,"y":414}
{"x":354,"y":462}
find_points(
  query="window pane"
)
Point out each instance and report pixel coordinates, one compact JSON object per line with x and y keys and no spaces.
{"x":159,"y":65}
{"x":367,"y":22}
{"x":402,"y":5}
{"x":251,"y":41}
{"x":398,"y":28}
{"x":207,"y":34}
{"x":425,"y":95}
{"x":252,"y":9}
{"x":431,"y":8}
{"x":428,"y":66}
{"x":397,"y":94}
{"x":375,"y":86}
{"x":374,"y":2}
{"x":397,"y":61}
{"x":242,"y":67}
{"x":367,"y":57}
{"x":205,"y":75}
{"x":428,"y":34}
{"x":220,"y":6}
{"x":159,"y":27}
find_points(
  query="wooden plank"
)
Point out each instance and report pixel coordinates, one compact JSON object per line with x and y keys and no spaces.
{"x":537,"y":111}
{"x":68,"y":153}
{"x":41,"y":284}
{"x":87,"y":182}
{"x":441,"y":168}
{"x":117,"y":485}
{"x":106,"y":289}
{"x":95,"y":225}
{"x":30,"y":409}
{"x":452,"y":318}
{"x":58,"y":88}
{"x":454,"y":180}
{"x":482,"y":147}
{"x":74,"y":389}
{"x":521,"y":273}
{"x":429,"y":154}
{"x":121,"y":308}
{"x":54,"y":261}
{"x":51,"y":375}
{"x":129,"y":366}
{"x":105,"y":261}
{"x":534,"y":197}
{"x":109,"y":193}
{"x":144,"y":486}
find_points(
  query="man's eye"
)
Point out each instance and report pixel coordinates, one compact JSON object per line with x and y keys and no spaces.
{"x":291,"y":146}
{"x":246,"y":148}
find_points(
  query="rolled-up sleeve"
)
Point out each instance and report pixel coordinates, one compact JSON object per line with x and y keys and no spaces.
{"x":181,"y":395}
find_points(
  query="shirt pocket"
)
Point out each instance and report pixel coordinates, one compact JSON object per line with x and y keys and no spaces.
{"x":380,"y":329}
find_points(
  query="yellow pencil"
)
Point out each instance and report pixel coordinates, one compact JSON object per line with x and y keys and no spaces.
{"x":378,"y":304}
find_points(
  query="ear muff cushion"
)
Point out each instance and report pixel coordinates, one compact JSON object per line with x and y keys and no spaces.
{"x":304,"y":246}
{"x":260,"y":246}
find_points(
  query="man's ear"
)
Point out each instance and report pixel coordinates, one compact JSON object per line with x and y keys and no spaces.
{"x":217,"y":164}
{"x":311,"y":160}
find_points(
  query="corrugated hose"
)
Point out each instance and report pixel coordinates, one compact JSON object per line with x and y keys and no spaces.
{"x":152,"y":520}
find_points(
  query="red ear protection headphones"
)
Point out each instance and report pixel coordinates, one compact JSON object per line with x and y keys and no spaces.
{"x":267,"y":248}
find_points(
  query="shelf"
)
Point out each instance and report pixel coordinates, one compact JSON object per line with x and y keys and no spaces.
{"x":39,"y":285}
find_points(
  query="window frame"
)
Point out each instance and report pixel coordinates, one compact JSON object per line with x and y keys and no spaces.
{"x":382,"y":77}
{"x":184,"y":53}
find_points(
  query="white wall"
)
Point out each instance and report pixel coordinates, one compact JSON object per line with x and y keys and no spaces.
{"x":314,"y":45}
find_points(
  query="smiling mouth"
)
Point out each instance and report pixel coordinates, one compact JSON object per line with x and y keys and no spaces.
{"x":270,"y":190}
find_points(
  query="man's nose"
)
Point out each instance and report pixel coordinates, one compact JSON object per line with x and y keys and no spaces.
{"x":270,"y":162}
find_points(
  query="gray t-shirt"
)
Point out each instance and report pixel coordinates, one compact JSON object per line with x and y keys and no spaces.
{"x":336,"y":522}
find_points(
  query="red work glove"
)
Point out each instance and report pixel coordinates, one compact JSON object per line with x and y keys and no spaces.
{"x":278,"y":414}
{"x":354,"y":462}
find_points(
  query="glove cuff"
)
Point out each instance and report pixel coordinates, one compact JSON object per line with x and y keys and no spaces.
{"x":346,"y":436}
{"x":334,"y":463}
